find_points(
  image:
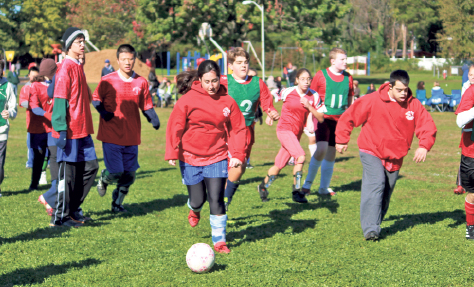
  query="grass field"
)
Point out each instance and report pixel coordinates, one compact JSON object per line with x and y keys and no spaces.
{"x":275,"y":243}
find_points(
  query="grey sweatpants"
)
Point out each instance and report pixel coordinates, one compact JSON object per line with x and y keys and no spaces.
{"x":3,"y":153}
{"x":377,"y":188}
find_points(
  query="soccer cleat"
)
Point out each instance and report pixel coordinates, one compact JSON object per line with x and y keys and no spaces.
{"x":372,"y":236}
{"x":118,"y":208}
{"x":459,"y":190}
{"x":194,"y":217}
{"x":299,"y":196}
{"x":66,"y":223}
{"x":49,"y":210}
{"x":306,"y":191}
{"x":262,"y":190}
{"x":470,"y":232}
{"x":221,"y":247}
{"x":249,"y":166}
{"x":43,"y":179}
{"x":328,"y":191}
{"x":78,"y":217}
{"x":101,"y":185}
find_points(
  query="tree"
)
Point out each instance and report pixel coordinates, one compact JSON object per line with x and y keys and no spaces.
{"x":45,"y":25}
{"x":9,"y":24}
{"x":457,"y":37}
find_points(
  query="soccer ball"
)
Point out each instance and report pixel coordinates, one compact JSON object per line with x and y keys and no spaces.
{"x":200,"y":258}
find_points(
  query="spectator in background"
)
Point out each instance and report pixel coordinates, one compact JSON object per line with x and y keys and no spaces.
{"x":12,"y":78}
{"x":435,"y":86}
{"x":18,"y":67}
{"x":356,"y":89}
{"x":167,"y":90}
{"x":286,"y":72}
{"x":252,"y":72}
{"x":24,"y":98}
{"x":292,"y":76}
{"x":371,"y":88}
{"x":272,"y":86}
{"x":107,"y":69}
{"x":153,"y":83}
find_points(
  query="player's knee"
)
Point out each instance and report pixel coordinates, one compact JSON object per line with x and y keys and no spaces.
{"x":470,"y":197}
{"x":301,"y":159}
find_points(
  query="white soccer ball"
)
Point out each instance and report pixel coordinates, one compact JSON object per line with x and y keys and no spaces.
{"x":200,"y":258}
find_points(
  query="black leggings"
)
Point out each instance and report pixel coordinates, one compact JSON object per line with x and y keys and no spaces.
{"x":215,"y":194}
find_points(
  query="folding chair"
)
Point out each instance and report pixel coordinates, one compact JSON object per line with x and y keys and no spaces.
{"x":438,"y":100}
{"x":455,"y":99}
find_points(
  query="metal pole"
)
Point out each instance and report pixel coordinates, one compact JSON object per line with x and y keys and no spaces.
{"x":168,"y":62}
{"x":263,"y":44}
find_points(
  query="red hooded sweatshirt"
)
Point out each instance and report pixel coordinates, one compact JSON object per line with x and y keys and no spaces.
{"x":197,"y":128}
{"x":387,"y":126}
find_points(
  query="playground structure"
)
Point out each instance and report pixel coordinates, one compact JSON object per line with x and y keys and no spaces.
{"x":353,"y":65}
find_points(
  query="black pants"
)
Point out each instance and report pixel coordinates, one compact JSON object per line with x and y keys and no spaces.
{"x":3,"y":153}
{"x":215,"y":194}
{"x":75,"y":181}
{"x":38,"y":161}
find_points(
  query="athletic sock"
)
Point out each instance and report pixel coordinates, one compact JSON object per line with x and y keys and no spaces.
{"x":218,"y":226}
{"x":314,"y":165}
{"x":327,"y":168}
{"x":230,"y":190}
{"x":312,"y":148}
{"x":469,"y":213}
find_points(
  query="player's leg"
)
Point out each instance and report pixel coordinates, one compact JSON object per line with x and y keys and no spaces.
{"x":43,"y":179}
{"x":48,"y":198}
{"x":29,"y":162}
{"x":215,"y":185}
{"x":322,"y":139}
{"x":113,"y":159}
{"x":459,"y":189}
{"x":193,"y":179}
{"x":3,"y":153}
{"x":312,"y":141}
{"x":272,"y":174}
{"x":390,"y":181}
{"x":467,"y":181}
{"x":327,"y":165}
{"x":372,"y":194}
{"x":38,"y":142}
{"x":130,"y":165}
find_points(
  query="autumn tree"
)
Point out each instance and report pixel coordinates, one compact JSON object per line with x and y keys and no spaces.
{"x":9,"y":24}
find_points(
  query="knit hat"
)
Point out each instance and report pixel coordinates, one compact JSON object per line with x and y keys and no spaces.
{"x":107,"y":61}
{"x":70,"y":35}
{"x":47,"y":68}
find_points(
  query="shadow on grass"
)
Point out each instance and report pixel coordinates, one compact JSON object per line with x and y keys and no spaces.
{"x":27,"y":276}
{"x":41,"y":189}
{"x":404,"y":222}
{"x":218,"y":267}
{"x":265,"y":164}
{"x":257,"y":179}
{"x":343,"y":158}
{"x":280,"y":222}
{"x":143,"y":208}
{"x":376,"y":81}
{"x":355,"y":185}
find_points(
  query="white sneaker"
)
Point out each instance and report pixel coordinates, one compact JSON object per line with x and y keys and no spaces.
{"x":328,"y":191}
{"x":291,"y":161}
{"x":43,"y":178}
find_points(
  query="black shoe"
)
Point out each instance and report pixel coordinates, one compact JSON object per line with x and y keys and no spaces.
{"x":470,"y":232}
{"x":67,"y":223}
{"x":249,"y":166}
{"x":118,"y":208}
{"x":372,"y":236}
{"x":263,"y":193}
{"x":33,"y":188}
{"x":79,"y":218}
{"x":101,"y":185}
{"x":299,"y":196}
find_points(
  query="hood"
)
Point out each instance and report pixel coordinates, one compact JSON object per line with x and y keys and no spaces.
{"x":383,"y":92}
{"x":197,"y":88}
{"x":3,"y":80}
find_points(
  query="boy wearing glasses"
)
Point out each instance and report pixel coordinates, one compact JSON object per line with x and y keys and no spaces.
{"x":72,"y":124}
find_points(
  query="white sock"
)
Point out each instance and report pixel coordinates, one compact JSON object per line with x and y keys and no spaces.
{"x":314,"y":165}
{"x":327,"y":168}
{"x":312,"y":148}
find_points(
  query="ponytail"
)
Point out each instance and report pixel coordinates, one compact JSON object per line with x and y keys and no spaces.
{"x":185,"y":81}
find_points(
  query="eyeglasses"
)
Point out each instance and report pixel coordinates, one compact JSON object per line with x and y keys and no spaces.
{"x":79,"y":42}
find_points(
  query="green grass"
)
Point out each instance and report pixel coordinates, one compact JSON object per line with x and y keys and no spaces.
{"x":274,"y":243}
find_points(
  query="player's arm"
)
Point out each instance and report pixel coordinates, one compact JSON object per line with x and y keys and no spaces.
{"x":146,"y":105}
{"x":266,"y":101}
{"x":350,"y":97}
{"x":174,"y":132}
{"x":356,"y":115}
{"x":97,"y":97}
{"x":238,"y":133}
{"x":465,"y":111}
{"x":35,"y":105}
{"x":318,"y":114}
{"x":51,"y":87}
{"x":10,"y":110}
{"x":425,"y":131}
{"x":62,"y":93}
{"x":24,"y":95}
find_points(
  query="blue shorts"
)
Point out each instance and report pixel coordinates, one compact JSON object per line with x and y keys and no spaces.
{"x":39,"y":141}
{"x":78,"y":150}
{"x":119,"y":158}
{"x":195,"y":174}
{"x":51,"y":141}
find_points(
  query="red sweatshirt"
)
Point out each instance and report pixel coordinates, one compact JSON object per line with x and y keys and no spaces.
{"x":387,"y":126}
{"x":197,"y":127}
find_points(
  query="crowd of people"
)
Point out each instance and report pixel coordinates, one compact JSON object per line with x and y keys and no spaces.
{"x":211,"y":132}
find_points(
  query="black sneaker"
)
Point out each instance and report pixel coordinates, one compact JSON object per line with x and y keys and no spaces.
{"x":79,"y":218}
{"x":249,"y":166}
{"x":101,"y":185}
{"x":67,"y":223}
{"x":33,"y":188}
{"x":263,"y":192}
{"x":470,"y":232}
{"x":299,"y":196}
{"x":372,"y":236}
{"x":118,"y":208}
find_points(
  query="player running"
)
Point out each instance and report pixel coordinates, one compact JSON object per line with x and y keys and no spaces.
{"x":118,"y":98}
{"x":197,"y":136}
{"x":72,"y":125}
{"x":249,"y":92}
{"x":334,"y":86}
{"x":389,"y":118}
{"x":298,"y":102}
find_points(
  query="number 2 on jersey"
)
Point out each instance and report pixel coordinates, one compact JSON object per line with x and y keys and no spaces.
{"x":247,"y":105}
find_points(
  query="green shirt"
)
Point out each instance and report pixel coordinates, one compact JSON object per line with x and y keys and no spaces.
{"x":246,"y":96}
{"x":337,"y":94}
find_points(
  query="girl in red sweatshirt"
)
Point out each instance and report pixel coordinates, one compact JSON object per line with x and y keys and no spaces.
{"x":197,"y":136}
{"x":389,"y":118}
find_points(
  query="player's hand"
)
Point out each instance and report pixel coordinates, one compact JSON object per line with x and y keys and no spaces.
{"x":234,"y":162}
{"x":5,"y":114}
{"x":61,"y":143}
{"x":269,"y":121}
{"x":420,"y":155}
{"x":304,"y":101}
{"x":172,"y":162}
{"x":341,"y":148}
{"x":108,"y":116}
{"x":273,"y":114}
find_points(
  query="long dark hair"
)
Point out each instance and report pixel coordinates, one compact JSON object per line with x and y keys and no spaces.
{"x":185,"y":79}
{"x":420,"y":85}
{"x":38,"y":79}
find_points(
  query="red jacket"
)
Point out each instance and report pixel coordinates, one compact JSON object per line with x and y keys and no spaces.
{"x":387,"y":126}
{"x":197,"y":127}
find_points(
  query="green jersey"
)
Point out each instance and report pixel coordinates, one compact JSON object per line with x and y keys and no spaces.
{"x":337,"y":94}
{"x":247,"y":96}
{"x":3,"y":100}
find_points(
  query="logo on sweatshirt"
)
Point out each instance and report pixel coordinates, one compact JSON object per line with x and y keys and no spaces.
{"x":410,"y":115}
{"x":136,"y":90}
{"x":226,"y":112}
